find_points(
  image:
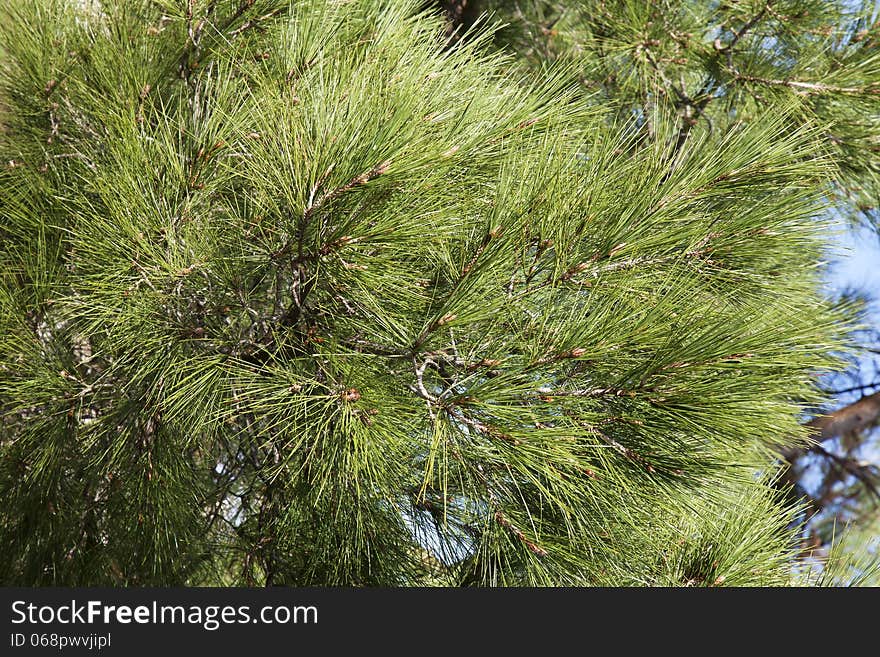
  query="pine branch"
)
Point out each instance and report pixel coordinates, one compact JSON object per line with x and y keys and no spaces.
{"x":852,"y":418}
{"x":727,"y":50}
{"x":810,"y":87}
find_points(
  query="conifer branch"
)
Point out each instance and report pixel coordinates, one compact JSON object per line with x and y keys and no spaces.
{"x":810,"y":87}
{"x":361,"y":179}
{"x":727,"y":49}
{"x":533,"y":547}
{"x":288,"y":348}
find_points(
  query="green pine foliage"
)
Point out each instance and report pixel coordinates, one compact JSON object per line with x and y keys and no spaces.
{"x":298,"y":293}
{"x":706,"y":63}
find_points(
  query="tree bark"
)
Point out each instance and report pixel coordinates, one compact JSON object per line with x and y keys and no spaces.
{"x":854,"y":417}
{"x":460,"y":13}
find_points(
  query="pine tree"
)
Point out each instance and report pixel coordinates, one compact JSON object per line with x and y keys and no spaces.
{"x":705,"y":64}
{"x":309,"y":293}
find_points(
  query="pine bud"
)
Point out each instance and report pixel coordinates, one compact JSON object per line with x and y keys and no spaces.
{"x":351,"y":395}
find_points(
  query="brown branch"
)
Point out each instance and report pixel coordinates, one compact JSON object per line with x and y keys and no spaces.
{"x":460,"y":16}
{"x":854,"y":417}
{"x":693,"y":109}
{"x":485,"y":429}
{"x":476,"y":256}
{"x":848,"y":465}
{"x":591,"y":270}
{"x":356,"y":181}
{"x":749,"y":24}
{"x":533,"y":547}
{"x":621,"y":449}
{"x":808,"y":87}
{"x":255,"y":23}
{"x":315,"y":204}
{"x":548,"y":394}
{"x":195,"y":30}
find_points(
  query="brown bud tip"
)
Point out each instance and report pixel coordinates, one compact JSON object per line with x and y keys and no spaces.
{"x":577,"y":352}
{"x":536,"y":549}
{"x":448,"y":317}
{"x":351,"y":395}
